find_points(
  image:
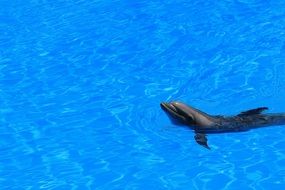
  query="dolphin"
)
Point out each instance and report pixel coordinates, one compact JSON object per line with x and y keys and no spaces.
{"x":203,"y":123}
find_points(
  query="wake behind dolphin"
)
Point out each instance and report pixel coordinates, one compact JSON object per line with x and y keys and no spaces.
{"x":203,"y":123}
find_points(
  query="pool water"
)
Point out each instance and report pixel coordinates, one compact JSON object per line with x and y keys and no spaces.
{"x":81,"y":82}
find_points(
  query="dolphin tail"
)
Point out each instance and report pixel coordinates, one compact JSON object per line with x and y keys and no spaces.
{"x":201,"y":139}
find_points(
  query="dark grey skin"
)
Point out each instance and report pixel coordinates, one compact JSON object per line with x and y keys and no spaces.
{"x":203,"y":123}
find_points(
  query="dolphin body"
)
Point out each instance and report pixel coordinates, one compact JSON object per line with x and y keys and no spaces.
{"x":203,"y":123}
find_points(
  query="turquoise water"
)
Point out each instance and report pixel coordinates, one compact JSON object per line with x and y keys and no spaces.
{"x":81,"y":82}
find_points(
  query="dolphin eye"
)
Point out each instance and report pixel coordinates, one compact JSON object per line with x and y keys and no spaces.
{"x":190,"y":117}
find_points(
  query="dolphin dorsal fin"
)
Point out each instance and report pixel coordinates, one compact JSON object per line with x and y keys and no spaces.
{"x":255,"y":111}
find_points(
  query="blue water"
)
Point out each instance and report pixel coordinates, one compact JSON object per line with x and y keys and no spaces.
{"x":81,"y":82}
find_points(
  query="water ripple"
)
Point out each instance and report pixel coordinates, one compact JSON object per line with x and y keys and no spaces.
{"x":81,"y":83}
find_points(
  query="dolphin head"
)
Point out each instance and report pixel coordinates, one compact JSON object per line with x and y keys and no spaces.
{"x":179,"y":113}
{"x":182,"y":114}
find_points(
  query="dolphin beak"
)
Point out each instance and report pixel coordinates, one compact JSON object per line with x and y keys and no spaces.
{"x":173,"y":113}
{"x":167,"y":107}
